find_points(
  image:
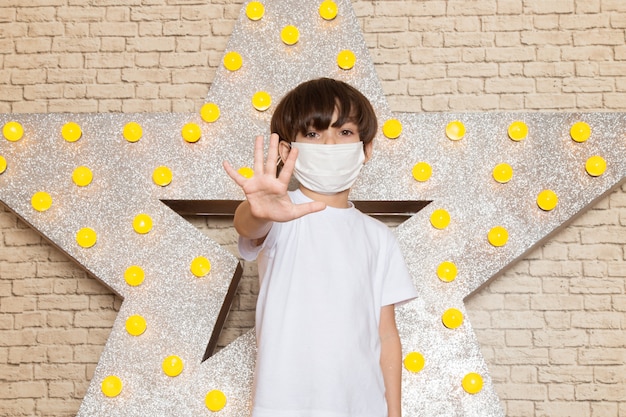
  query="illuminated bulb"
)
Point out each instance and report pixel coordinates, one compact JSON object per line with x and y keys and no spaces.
{"x":440,"y":219}
{"x":392,"y":128}
{"x":346,"y":59}
{"x":255,"y":10}
{"x":498,"y":236}
{"x":3,"y":164}
{"x":422,"y":171}
{"x":261,"y":100}
{"x":580,"y":132}
{"x":232,"y":61}
{"x":134,"y":275}
{"x":595,"y":166}
{"x":191,"y":132}
{"x":200,"y":266}
{"x":414,"y":362}
{"x":246,"y":172}
{"x":82,"y":176}
{"x":142,"y":223}
{"x":172,"y":365}
{"x":215,"y":400}
{"x":132,"y":132}
{"x":210,"y":112}
{"x":41,"y":201}
{"x":547,"y":200}
{"x":518,"y":131}
{"x":13,"y":131}
{"x":446,"y":271}
{"x":71,"y":132}
{"x":162,"y":176}
{"x":328,"y":10}
{"x":472,"y":383}
{"x":455,"y":130}
{"x":86,"y":237}
{"x":111,"y":386}
{"x":502,"y":173}
{"x":290,"y":35}
{"x":452,"y":318}
{"x":135,"y":325}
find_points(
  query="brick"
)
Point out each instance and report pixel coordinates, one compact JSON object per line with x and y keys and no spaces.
{"x":562,"y":409}
{"x":23,"y":355}
{"x":533,"y":392}
{"x":549,"y":101}
{"x":62,"y":336}
{"x":600,"y":392}
{"x":125,"y":29}
{"x":551,"y":7}
{"x":24,"y":389}
{"x":560,"y":339}
{"x":20,"y":372}
{"x":596,"y":320}
{"x":556,"y":302}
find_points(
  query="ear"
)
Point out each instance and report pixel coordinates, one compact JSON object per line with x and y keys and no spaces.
{"x":368,"y":148}
{"x":284,"y":148}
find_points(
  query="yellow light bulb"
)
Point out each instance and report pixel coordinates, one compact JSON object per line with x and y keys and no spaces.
{"x":255,"y":10}
{"x":13,"y":131}
{"x":392,"y":128}
{"x":518,"y":131}
{"x":498,"y":236}
{"x":580,"y":132}
{"x":290,"y":35}
{"x":191,"y":132}
{"x":134,"y":275}
{"x":3,"y":164}
{"x":414,"y":362}
{"x":547,"y":200}
{"x":261,"y":100}
{"x":422,"y":171}
{"x":455,"y":130}
{"x":41,"y":201}
{"x":86,"y":237}
{"x":452,"y":318}
{"x":472,"y":383}
{"x":440,"y":219}
{"x":172,"y":365}
{"x":210,"y":112}
{"x":246,"y":172}
{"x":215,"y":400}
{"x":132,"y":132}
{"x":142,"y":223}
{"x":328,"y":10}
{"x":82,"y":176}
{"x":346,"y":59}
{"x":446,"y":271}
{"x":232,"y":61}
{"x":162,"y":176}
{"x":200,"y":266}
{"x":111,"y":386}
{"x":71,"y":132}
{"x":135,"y":325}
{"x":595,"y":166}
{"x":503,"y":173}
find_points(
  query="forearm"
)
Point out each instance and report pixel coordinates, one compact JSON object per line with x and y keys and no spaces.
{"x":248,"y":225}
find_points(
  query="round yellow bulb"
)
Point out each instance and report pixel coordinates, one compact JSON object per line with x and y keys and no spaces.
{"x":232,"y":61}
{"x":246,"y":172}
{"x":162,"y":176}
{"x":200,"y":266}
{"x":172,"y":365}
{"x":455,"y":130}
{"x":346,"y":59}
{"x":111,"y":386}
{"x":595,"y":166}
{"x":452,"y":318}
{"x":132,"y":132}
{"x":422,"y":171}
{"x":191,"y":132}
{"x":71,"y":132}
{"x":498,"y":236}
{"x":392,"y":128}
{"x":215,"y":400}
{"x":261,"y":100}
{"x":580,"y":132}
{"x":446,"y":271}
{"x":13,"y":131}
{"x":3,"y":164}
{"x":290,"y":35}
{"x":210,"y":112}
{"x":142,"y":223}
{"x":440,"y":219}
{"x":518,"y":131}
{"x":134,"y":275}
{"x":86,"y":237}
{"x":547,"y":200}
{"x":328,"y":10}
{"x":472,"y":383}
{"x":135,"y":325}
{"x":41,"y":201}
{"x":82,"y":176}
{"x":414,"y":362}
{"x":503,"y":173}
{"x":255,"y":10}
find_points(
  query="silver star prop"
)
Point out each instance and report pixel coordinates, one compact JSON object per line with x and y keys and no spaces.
{"x":181,"y":310}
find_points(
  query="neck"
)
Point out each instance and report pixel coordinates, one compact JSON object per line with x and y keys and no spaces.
{"x":338,"y":200}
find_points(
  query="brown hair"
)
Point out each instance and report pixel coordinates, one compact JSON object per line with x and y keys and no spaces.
{"x":312,"y":104}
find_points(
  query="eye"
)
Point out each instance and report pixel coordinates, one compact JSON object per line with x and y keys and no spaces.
{"x":346,"y":132}
{"x":312,"y":135}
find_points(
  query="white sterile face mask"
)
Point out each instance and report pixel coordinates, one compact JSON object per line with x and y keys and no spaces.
{"x":328,"y":169}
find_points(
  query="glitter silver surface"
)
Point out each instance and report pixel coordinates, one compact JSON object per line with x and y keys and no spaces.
{"x":181,"y":309}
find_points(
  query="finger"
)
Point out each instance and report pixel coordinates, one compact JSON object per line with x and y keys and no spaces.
{"x":258,"y":154}
{"x":232,"y":173}
{"x":272,"y":154}
{"x":287,"y":170}
{"x":300,"y":210}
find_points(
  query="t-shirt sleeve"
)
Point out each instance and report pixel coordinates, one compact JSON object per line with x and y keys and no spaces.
{"x":398,"y":286}
{"x":248,"y":249}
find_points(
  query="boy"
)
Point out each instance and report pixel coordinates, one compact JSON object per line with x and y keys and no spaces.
{"x":327,"y":341}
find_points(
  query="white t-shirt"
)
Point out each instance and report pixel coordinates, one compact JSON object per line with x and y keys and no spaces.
{"x":323,"y":280}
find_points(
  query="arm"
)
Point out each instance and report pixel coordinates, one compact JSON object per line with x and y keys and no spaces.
{"x":391,"y":360}
{"x":267,"y":200}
